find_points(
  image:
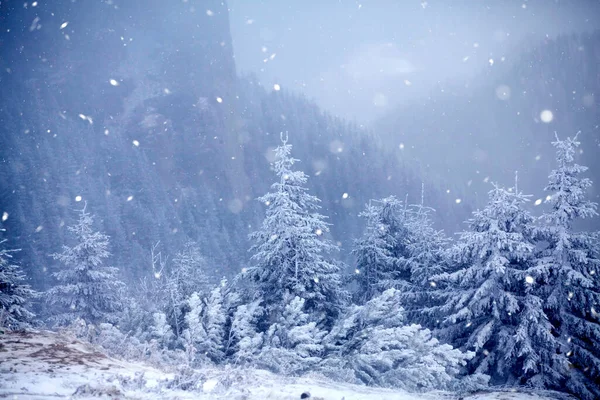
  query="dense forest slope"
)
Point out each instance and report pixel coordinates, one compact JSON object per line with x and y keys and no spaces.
{"x":150,"y":126}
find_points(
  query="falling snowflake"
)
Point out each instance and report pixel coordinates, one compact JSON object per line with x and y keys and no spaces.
{"x":114,"y":82}
{"x":345,"y":196}
{"x":130,"y":198}
{"x":219,"y":100}
{"x":77,"y":198}
{"x":276,"y":87}
{"x":64,"y":25}
{"x":458,"y":201}
{"x":4,"y":216}
{"x":136,"y":143}
{"x":546,"y":116}
{"x":319,"y":232}
{"x":210,"y":13}
{"x":538,"y":202}
{"x":529,"y":279}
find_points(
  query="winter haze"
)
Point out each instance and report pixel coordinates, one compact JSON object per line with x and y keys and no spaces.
{"x":386,"y":199}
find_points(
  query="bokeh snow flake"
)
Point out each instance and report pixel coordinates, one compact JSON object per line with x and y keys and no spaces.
{"x":64,"y":25}
{"x":130,"y":198}
{"x":529,"y":279}
{"x":210,"y":13}
{"x":276,"y":87}
{"x":319,"y":232}
{"x":114,"y":82}
{"x":503,"y":92}
{"x":345,"y":196}
{"x":546,"y":116}
{"x":219,"y":100}
{"x":78,"y":198}
{"x":136,"y":143}
{"x":4,"y":216}
{"x":458,"y":201}
{"x":538,"y":202}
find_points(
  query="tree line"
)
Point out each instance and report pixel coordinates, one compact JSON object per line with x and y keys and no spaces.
{"x":513,"y":301}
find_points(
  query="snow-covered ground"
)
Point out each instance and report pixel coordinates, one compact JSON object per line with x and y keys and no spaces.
{"x":47,"y":365}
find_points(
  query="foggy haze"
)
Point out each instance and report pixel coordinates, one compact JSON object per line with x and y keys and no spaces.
{"x":360,"y":59}
{"x":285,"y":199}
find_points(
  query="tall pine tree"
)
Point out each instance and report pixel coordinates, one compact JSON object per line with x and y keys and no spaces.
{"x":490,"y":307}
{"x":570,"y":266}
{"x":86,"y":289}
{"x":291,"y":253}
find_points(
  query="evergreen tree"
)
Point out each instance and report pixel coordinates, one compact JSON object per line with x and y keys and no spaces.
{"x":214,"y":324}
{"x":570,"y":268}
{"x":189,"y":268}
{"x":293,"y":344}
{"x":161,"y":330}
{"x":382,"y":253}
{"x":244,"y":339}
{"x":14,"y":292}
{"x":489,"y":305}
{"x":86,"y":289}
{"x":290,"y":251}
{"x":195,"y":334}
{"x":426,"y":259}
{"x":372,"y":344}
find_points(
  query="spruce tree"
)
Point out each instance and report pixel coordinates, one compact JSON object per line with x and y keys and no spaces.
{"x":372,"y":344}
{"x":15,"y":293}
{"x":570,"y":267}
{"x":86,"y":289}
{"x":490,"y":306}
{"x":381,"y":254}
{"x":291,"y":252}
{"x":294,"y":344}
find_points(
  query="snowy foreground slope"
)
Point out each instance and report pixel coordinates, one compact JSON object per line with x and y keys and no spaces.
{"x":46,"y":365}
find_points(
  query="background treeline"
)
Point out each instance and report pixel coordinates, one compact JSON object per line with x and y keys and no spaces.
{"x":514,"y":302}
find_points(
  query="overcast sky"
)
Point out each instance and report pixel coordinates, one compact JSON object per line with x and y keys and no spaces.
{"x":359,"y":58}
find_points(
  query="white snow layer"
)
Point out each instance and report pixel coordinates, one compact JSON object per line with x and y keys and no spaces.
{"x":46,"y":365}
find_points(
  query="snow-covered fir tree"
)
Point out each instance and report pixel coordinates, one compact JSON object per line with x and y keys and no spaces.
{"x":294,"y":344}
{"x":490,"y":306}
{"x":189,"y":271}
{"x":382,"y":251}
{"x":426,"y":258}
{"x":214,"y":324}
{"x":195,"y":334}
{"x":291,"y":251}
{"x":373,"y":253}
{"x":399,"y":249}
{"x":570,"y":269}
{"x":86,"y":288}
{"x":161,"y":330}
{"x":371,"y":344}
{"x":244,"y":341}
{"x":15,"y":293}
